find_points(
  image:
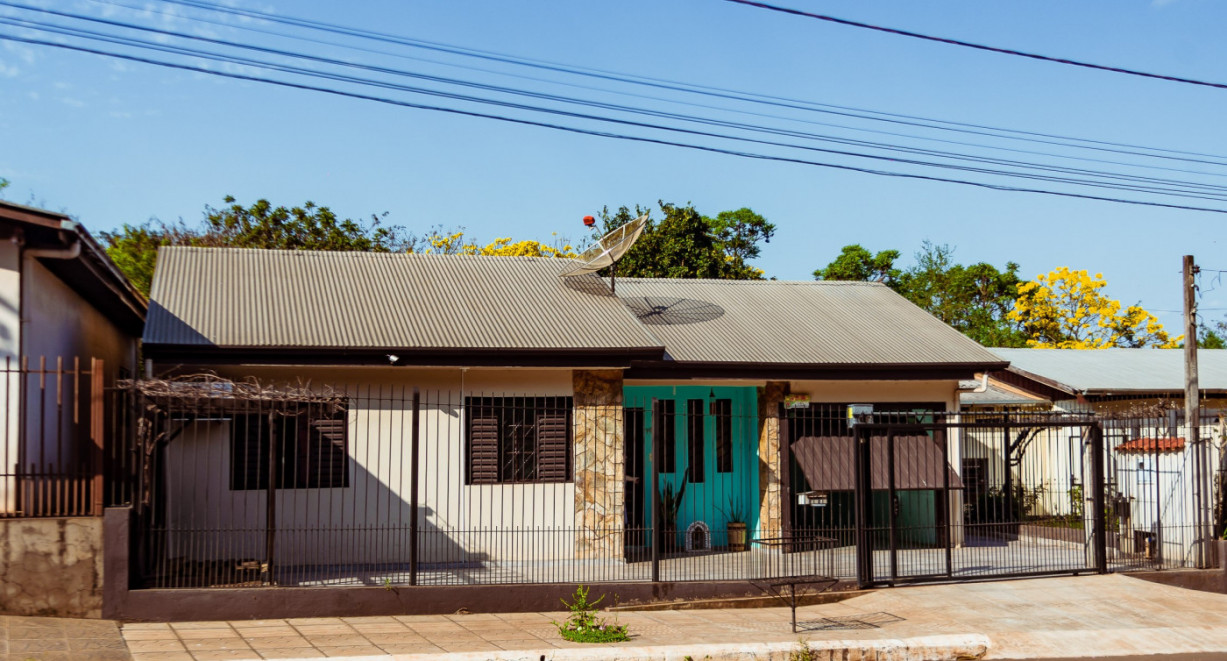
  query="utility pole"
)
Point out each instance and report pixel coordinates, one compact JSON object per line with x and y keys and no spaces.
{"x":1192,"y":413}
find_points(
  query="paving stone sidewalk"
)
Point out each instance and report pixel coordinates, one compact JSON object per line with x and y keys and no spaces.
{"x":1093,"y":616}
{"x":60,"y":639}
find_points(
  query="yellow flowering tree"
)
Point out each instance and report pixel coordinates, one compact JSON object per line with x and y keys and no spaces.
{"x":454,"y":243}
{"x":1066,"y":309}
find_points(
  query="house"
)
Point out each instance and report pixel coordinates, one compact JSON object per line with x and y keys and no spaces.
{"x":70,"y":324}
{"x":1139,"y":395}
{"x":62,"y":303}
{"x":1108,"y":379}
{"x":448,"y":418}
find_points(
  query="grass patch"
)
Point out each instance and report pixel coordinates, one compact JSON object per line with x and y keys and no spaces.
{"x":583,"y":625}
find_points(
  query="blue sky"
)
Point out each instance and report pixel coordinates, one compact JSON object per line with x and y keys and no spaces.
{"x":114,"y":142}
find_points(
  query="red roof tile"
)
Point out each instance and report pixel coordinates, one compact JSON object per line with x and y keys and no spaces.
{"x":1150,"y":444}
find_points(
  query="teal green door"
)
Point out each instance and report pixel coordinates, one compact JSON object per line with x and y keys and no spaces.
{"x":710,"y":457}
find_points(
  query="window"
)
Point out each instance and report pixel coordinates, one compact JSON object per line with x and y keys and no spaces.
{"x":694,"y":438}
{"x":665,"y":431}
{"x":518,"y":439}
{"x":722,"y":411}
{"x":312,"y":449}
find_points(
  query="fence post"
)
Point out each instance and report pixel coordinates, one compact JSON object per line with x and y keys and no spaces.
{"x":785,"y":438}
{"x":96,"y":430}
{"x":658,"y":537}
{"x":864,"y":507}
{"x":270,"y":531}
{"x":893,"y":505}
{"x":1009,"y":516}
{"x":1099,"y":537}
{"x":413,"y":489}
{"x":939,"y":434}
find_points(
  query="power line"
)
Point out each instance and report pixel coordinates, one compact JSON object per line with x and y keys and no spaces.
{"x":606,"y":134}
{"x":715,"y":92}
{"x":1163,"y":186}
{"x":983,"y":47}
{"x":1174,"y":191}
{"x":910,"y":136}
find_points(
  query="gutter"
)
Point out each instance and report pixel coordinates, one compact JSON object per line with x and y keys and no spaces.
{"x":72,"y":251}
{"x":983,"y":387}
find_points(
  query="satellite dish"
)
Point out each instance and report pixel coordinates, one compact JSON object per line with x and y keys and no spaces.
{"x":607,"y":250}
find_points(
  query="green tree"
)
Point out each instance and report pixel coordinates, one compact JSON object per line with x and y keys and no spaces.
{"x":976,"y":300}
{"x":134,"y":248}
{"x":308,"y":227}
{"x":740,"y":232}
{"x":856,"y":263}
{"x":1212,"y":335}
{"x":4,"y":183}
{"x":685,"y":244}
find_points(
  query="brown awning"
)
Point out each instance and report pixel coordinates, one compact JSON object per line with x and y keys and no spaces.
{"x":829,"y":463}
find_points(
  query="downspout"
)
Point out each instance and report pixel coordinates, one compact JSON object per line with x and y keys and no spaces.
{"x":72,"y":251}
{"x":983,"y":387}
{"x":19,"y":240}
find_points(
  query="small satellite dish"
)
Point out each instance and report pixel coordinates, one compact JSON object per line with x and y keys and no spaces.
{"x":607,"y":250}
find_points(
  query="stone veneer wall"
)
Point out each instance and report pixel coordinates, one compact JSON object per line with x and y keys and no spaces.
{"x":598,"y":465}
{"x":770,"y":510}
{"x":51,"y":567}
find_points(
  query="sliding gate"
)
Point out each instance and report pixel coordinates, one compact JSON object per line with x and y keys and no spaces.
{"x":914,"y":496}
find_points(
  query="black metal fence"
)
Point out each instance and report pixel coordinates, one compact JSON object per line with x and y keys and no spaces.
{"x":51,"y":438}
{"x":238,"y":484}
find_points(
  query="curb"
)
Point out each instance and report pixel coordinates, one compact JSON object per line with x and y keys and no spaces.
{"x":922,"y":648}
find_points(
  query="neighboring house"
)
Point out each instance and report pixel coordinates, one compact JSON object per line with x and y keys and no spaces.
{"x":1109,"y":380}
{"x":1139,"y":396}
{"x":70,"y":325}
{"x":541,"y":400}
{"x":62,"y":303}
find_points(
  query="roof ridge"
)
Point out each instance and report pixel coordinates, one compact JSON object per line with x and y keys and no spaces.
{"x":724,"y":281}
{"x":381,"y":254}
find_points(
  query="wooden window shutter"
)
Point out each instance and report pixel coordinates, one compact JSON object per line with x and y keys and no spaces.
{"x":483,"y":449}
{"x":553,"y":450}
{"x":327,"y":452}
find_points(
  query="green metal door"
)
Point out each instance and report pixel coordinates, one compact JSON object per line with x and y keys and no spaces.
{"x":710,"y":457}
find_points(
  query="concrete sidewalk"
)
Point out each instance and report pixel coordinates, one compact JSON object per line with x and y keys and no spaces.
{"x":1077,"y":617}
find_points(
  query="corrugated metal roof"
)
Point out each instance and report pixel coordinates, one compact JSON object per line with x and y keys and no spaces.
{"x":995,"y":396}
{"x":285,"y":298}
{"x":1105,"y":371}
{"x":231,"y":297}
{"x":808,"y":323}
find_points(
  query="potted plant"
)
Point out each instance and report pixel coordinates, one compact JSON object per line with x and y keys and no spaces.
{"x":736,"y":525}
{"x":670,"y":505}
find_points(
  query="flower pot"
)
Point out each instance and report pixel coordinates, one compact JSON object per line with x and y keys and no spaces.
{"x":737,"y":536}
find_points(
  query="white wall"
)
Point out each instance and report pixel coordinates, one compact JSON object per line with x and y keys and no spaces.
{"x":10,"y":350}
{"x":368,"y":521}
{"x":1162,"y":501}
